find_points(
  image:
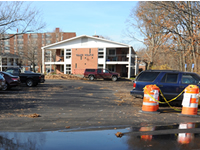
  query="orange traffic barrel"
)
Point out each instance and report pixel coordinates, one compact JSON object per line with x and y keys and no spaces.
{"x":185,"y":138}
{"x":146,"y":137}
{"x":190,"y":100}
{"x":151,"y":98}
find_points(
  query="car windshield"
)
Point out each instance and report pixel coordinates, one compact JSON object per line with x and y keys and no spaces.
{"x":147,"y":76}
{"x":10,"y":71}
{"x":7,"y":73}
{"x":28,"y":72}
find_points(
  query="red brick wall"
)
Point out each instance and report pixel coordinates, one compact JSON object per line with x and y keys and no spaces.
{"x":58,"y":68}
{"x":12,"y":45}
{"x":89,"y":60}
{"x":118,"y":68}
{"x":68,"y":35}
{"x":58,"y":52}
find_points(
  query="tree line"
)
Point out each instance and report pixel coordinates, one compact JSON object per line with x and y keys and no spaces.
{"x":170,"y":31}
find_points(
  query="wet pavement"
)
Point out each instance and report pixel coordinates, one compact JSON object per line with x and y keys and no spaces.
{"x":173,"y":137}
{"x":66,"y":114}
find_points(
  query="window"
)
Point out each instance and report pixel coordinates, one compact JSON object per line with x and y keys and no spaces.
{"x":100,"y":53}
{"x":147,"y":76}
{"x":48,"y":35}
{"x":68,"y":69}
{"x":4,"y":61}
{"x":99,"y":70}
{"x":75,"y":65}
{"x":80,"y":57}
{"x":111,"y":68}
{"x":6,"y":42}
{"x":62,"y":68}
{"x":48,"y":42}
{"x":20,"y":42}
{"x":112,"y":52}
{"x":190,"y":79}
{"x":170,"y":78}
{"x":62,"y":52}
{"x":68,"y":53}
{"x":34,"y":36}
{"x":20,"y":36}
{"x":105,"y":71}
{"x":89,"y":51}
{"x":6,"y":48}
{"x":90,"y":70}
{"x":20,"y":47}
{"x":100,"y":66}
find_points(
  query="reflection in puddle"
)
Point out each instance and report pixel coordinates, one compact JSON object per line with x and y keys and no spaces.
{"x":173,"y":137}
{"x":79,"y":140}
{"x":186,"y":138}
{"x":182,"y":136}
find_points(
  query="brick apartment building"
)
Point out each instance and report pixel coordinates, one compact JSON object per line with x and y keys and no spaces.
{"x":20,"y":45}
{"x":74,"y":55}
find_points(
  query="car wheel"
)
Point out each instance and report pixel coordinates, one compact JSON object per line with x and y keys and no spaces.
{"x":29,"y":82}
{"x":91,"y":77}
{"x":114,"y":78}
{"x":5,"y":87}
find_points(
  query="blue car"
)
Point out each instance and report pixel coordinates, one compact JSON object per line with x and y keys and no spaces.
{"x":170,"y":82}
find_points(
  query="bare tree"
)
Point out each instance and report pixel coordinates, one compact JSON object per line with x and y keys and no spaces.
{"x":18,"y":17}
{"x":31,"y":53}
{"x":181,"y":20}
{"x":152,"y":35}
{"x":170,"y":29}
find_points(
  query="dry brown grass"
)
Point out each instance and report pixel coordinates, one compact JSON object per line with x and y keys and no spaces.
{"x":63,"y":77}
{"x":30,"y":115}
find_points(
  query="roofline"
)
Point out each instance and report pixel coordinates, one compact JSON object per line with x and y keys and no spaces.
{"x":83,"y":36}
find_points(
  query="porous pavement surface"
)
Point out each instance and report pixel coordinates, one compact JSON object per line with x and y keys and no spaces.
{"x":76,"y":103}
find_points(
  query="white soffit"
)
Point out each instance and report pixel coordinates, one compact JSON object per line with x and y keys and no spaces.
{"x":85,"y":42}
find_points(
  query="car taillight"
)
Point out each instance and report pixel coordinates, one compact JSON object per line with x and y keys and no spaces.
{"x":14,"y":79}
{"x":134,"y":85}
{"x":39,"y":77}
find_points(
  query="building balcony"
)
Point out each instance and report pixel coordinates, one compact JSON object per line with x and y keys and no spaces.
{"x":119,"y":57}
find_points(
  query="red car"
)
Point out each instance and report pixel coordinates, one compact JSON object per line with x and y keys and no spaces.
{"x":11,"y":81}
{"x":101,"y":74}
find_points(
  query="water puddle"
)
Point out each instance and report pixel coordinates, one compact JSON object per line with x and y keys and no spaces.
{"x":173,"y":137}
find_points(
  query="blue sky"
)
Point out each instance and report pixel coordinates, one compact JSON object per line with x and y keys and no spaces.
{"x":106,"y":18}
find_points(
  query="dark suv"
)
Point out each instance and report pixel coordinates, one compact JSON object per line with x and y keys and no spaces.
{"x":170,"y":82}
{"x":101,"y":74}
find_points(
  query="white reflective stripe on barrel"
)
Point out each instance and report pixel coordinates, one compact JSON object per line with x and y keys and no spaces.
{"x":152,"y":104}
{"x":147,"y":96}
{"x":192,"y":105}
{"x":191,"y":95}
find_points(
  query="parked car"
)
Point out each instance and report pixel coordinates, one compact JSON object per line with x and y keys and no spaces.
{"x":29,"y":72}
{"x":2,"y":82}
{"x":11,"y":81}
{"x":30,"y":79}
{"x":101,"y":74}
{"x":170,"y":82}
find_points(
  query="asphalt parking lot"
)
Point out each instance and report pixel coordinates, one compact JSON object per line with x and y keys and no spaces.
{"x":78,"y":104}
